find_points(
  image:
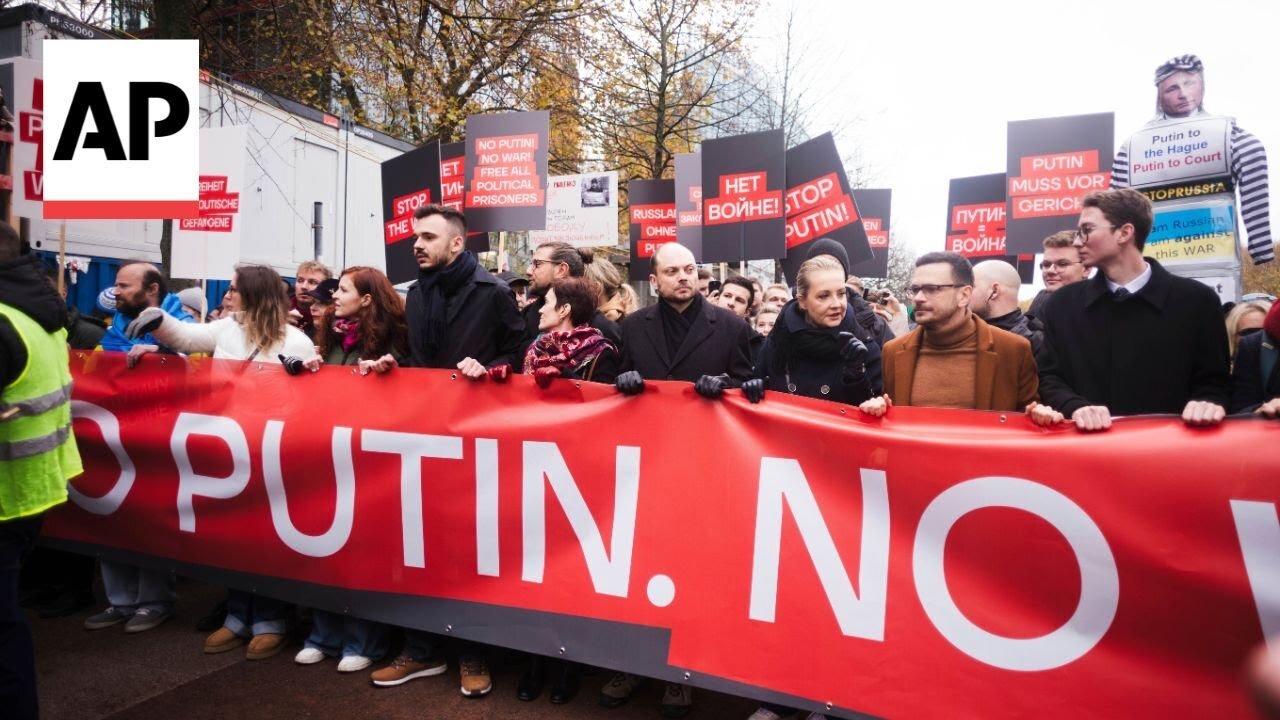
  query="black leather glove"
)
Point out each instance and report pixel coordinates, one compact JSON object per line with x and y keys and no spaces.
{"x":629,"y":383}
{"x":147,"y":321}
{"x":711,"y":387}
{"x":753,"y":389}
{"x":852,"y":350}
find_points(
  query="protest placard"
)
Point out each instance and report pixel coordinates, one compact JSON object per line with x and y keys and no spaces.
{"x":506,"y":171}
{"x":874,"y":205}
{"x":743,"y":217}
{"x":409,"y":181}
{"x":582,"y":210}
{"x":820,"y":204}
{"x":207,"y":247}
{"x":689,"y":202}
{"x":651,"y":210}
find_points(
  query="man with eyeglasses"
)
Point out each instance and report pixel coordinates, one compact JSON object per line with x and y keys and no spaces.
{"x":953,"y":358}
{"x":1134,"y":339}
{"x":554,"y":261}
{"x":1060,"y":266}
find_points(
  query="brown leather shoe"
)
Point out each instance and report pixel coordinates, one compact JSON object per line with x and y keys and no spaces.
{"x":221,"y":641}
{"x":264,"y":646}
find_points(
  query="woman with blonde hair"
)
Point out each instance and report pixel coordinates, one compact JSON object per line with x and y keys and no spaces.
{"x":1245,"y":319}
{"x":617,"y":300}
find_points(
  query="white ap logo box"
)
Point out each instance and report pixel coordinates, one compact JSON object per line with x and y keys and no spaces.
{"x":121,"y":129}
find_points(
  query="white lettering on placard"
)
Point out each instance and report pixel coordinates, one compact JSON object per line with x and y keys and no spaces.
{"x":110,"y":427}
{"x":861,"y":614}
{"x":1099,"y":580}
{"x":331,"y":540}
{"x":1259,"y":531}
{"x":192,"y":484}
{"x":411,"y":447}
{"x":610,"y":570}
{"x":487,"y":507}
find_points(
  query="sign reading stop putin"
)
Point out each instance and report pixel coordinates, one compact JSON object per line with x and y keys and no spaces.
{"x":819,"y":204}
{"x":1053,"y":164}
{"x":122,"y":129}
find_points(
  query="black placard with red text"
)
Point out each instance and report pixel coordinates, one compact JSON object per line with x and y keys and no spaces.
{"x":651,"y":213}
{"x":874,"y":204}
{"x":976,"y":215}
{"x":453,"y":163}
{"x":743,"y":217}
{"x":820,"y":204}
{"x":409,"y":181}
{"x":1053,"y":163}
{"x":506,"y":171}
{"x":689,"y":202}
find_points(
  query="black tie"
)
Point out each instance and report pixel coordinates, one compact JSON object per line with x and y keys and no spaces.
{"x":1121,"y":294}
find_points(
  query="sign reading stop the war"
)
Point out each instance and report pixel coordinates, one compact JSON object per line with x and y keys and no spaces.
{"x":453,"y":162}
{"x":819,"y":204}
{"x":742,"y":210}
{"x":409,"y":181}
{"x":874,"y":204}
{"x":689,"y":202}
{"x":651,"y":213}
{"x":1053,"y":164}
{"x":506,"y":171}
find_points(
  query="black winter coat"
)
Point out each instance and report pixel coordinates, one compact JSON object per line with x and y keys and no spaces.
{"x":787,"y":369}
{"x":1151,"y":352}
{"x":1248,"y":388}
{"x":718,"y":343}
{"x":483,"y":324}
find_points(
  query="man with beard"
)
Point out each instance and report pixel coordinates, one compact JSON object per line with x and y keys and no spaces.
{"x":681,"y":337}
{"x":460,"y":317}
{"x":953,"y":358}
{"x":555,"y":261}
{"x":138,"y":597}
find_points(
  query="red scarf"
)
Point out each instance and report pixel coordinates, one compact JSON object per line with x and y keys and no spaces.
{"x":350,"y":332}
{"x":567,"y":349}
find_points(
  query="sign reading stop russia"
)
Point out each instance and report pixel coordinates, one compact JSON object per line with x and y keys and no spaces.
{"x":121,"y":129}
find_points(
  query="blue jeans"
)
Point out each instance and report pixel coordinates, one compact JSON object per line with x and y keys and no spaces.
{"x":17,"y":653}
{"x":131,"y":588}
{"x":343,"y":635}
{"x":249,"y":614}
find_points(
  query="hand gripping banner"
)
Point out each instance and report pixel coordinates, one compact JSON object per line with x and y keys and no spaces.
{"x":934,"y":563}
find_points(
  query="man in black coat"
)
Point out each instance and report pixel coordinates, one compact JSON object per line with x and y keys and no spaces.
{"x":554,"y":261}
{"x":1133,"y":339}
{"x":460,"y":316}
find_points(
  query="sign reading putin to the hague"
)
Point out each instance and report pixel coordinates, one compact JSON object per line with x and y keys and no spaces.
{"x":820,"y":204}
{"x":743,"y":179}
{"x":506,"y":171}
{"x":1053,"y":164}
{"x":121,"y":129}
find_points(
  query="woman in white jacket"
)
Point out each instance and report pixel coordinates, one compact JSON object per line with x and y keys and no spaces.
{"x":258,"y":331}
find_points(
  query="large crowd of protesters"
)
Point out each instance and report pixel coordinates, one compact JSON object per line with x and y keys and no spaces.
{"x":1113,"y":333}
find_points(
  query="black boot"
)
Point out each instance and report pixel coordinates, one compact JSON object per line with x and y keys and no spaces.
{"x":567,"y":681}
{"x":535,"y":677}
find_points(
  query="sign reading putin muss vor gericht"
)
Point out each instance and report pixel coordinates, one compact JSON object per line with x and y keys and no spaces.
{"x":121,"y":135}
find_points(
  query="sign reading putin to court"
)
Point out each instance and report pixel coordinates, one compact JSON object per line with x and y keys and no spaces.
{"x":121,"y":129}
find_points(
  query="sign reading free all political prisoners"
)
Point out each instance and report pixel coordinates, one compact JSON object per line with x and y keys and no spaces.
{"x":506,"y":171}
{"x":936,"y":563}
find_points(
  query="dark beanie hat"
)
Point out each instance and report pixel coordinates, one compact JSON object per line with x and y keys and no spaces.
{"x":827,"y":246}
{"x":1272,"y":323}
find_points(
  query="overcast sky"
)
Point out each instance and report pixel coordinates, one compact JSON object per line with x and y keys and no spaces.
{"x":934,"y":84}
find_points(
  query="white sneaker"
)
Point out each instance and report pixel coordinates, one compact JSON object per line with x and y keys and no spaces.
{"x":764,"y":714}
{"x":308,"y":656}
{"x":353,"y":663}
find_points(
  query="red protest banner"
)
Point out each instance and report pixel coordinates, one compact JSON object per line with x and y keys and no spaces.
{"x":952,"y":550}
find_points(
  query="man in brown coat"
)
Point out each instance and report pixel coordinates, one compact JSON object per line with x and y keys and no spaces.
{"x":953,"y":358}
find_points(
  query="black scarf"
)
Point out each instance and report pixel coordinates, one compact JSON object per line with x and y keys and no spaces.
{"x":793,"y":336}
{"x":675,"y":324}
{"x":435,"y":287}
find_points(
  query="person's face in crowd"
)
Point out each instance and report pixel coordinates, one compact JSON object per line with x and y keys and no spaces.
{"x":1181,"y":93}
{"x":1061,"y":266}
{"x":522,"y":295}
{"x":1097,"y":240}
{"x":827,"y":299}
{"x":1250,"y":322}
{"x":765,"y":322}
{"x":132,"y":296}
{"x":734,"y":298}
{"x":347,"y":301}
{"x":305,"y":283}
{"x":775,"y":298}
{"x":704,"y":286}
{"x":543,"y":271}
{"x":757,"y":299}
{"x":676,"y":280}
{"x":981,"y":299}
{"x":318,"y":310}
{"x":550,"y":317}
{"x":231,"y":299}
{"x":938,"y":302}
{"x":435,"y":245}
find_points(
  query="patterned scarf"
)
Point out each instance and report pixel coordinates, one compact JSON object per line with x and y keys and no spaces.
{"x":565,"y":349}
